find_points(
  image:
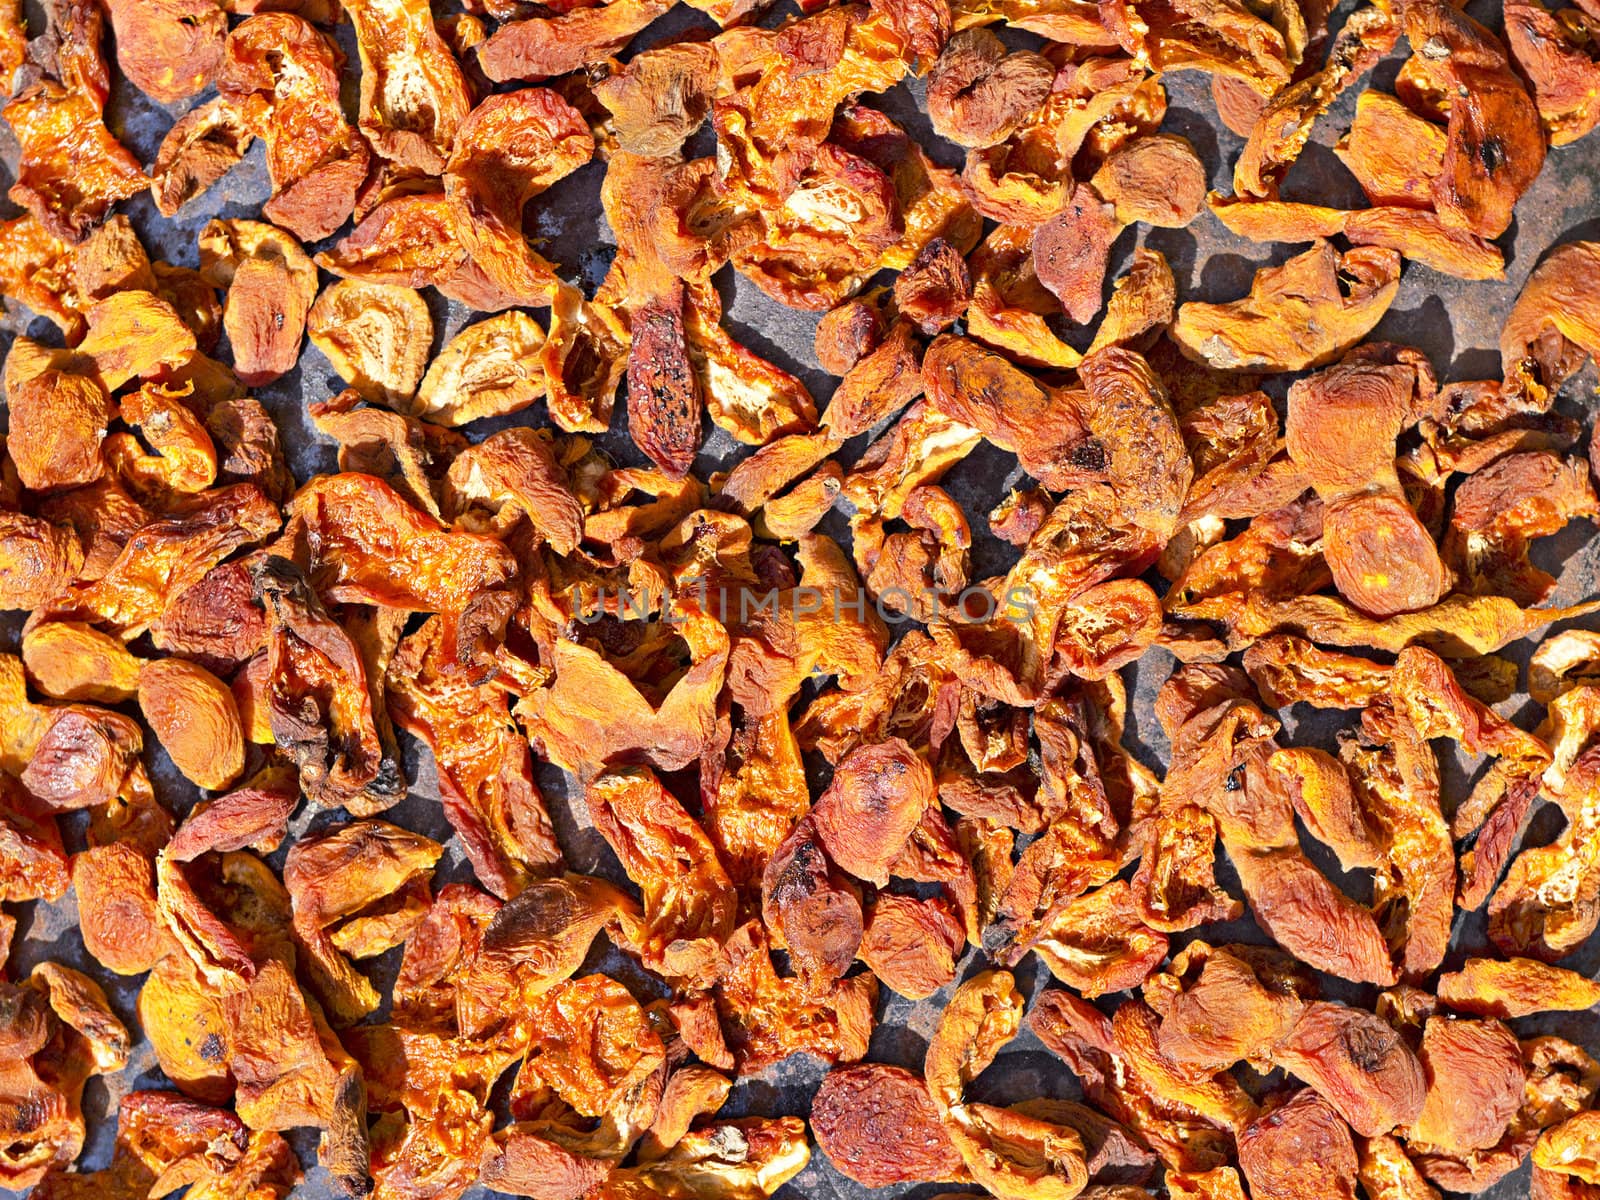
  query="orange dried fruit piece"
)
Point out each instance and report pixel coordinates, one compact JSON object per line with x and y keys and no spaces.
{"x":376,"y":335}
{"x":59,"y":420}
{"x":510,"y":148}
{"x":489,"y":369}
{"x":1475,"y":1079}
{"x":1008,"y":1151}
{"x":71,"y":660}
{"x":1572,"y":1148}
{"x":978,"y":93}
{"x":484,"y":764}
{"x":357,"y":890}
{"x":345,"y":758}
{"x":270,"y":285}
{"x":1394,"y":154}
{"x":1320,"y":303}
{"x":117,"y":915}
{"x":283,"y":73}
{"x":689,"y":902}
{"x":1516,"y":987}
{"x":168,"y":50}
{"x":195,"y":719}
{"x":912,"y":945}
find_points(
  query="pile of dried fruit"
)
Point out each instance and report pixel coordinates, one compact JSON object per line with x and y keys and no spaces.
{"x":1356,"y":537}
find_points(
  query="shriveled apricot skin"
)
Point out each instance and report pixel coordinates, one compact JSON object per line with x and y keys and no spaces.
{"x":196,"y":720}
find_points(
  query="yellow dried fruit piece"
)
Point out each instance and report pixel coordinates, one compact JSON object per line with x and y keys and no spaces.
{"x":376,"y":335}
{"x":196,"y":720}
{"x":487,"y":370}
{"x":69,"y":660}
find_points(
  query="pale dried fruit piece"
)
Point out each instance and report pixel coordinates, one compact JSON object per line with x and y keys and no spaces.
{"x":660,"y":97}
{"x":1572,"y":1147}
{"x":1554,"y":327}
{"x":356,"y":890}
{"x":878,"y":1126}
{"x":487,"y":370}
{"x":271,"y":285}
{"x":196,"y":720}
{"x":1301,"y":314}
{"x":1009,"y":1151}
{"x":69,"y":660}
{"x":377,"y":337}
{"x":413,"y":93}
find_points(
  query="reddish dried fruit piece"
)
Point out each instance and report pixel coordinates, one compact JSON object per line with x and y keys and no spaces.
{"x":1307,"y":311}
{"x":664,"y":400}
{"x":1358,"y":1063}
{"x":877,"y":1125}
{"x":660,"y":96}
{"x":283,"y":74}
{"x":810,"y":912}
{"x":1296,"y":1145}
{"x":35,"y":863}
{"x":1072,"y":250}
{"x":877,"y":798}
{"x":203,"y":145}
{"x":912,"y":945}
{"x":978,"y":92}
{"x":1475,"y":1079}
{"x":935,"y":288}
{"x":545,"y":47}
{"x":1554,"y":52}
{"x":168,"y":49}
